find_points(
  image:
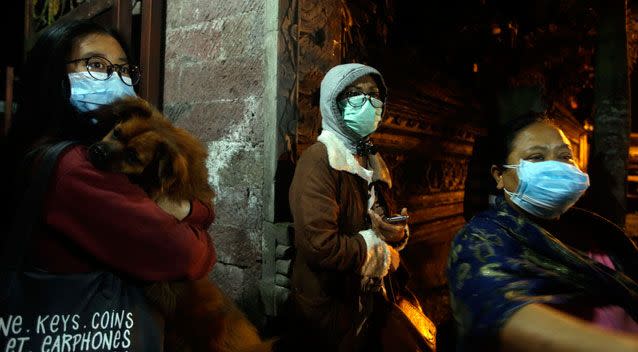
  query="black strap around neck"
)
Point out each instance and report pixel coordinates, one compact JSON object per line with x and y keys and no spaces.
{"x":365,"y":148}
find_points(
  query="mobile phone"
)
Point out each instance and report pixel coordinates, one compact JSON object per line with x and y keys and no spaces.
{"x":396,"y":219}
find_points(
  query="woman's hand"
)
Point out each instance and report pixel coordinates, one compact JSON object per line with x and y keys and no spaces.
{"x":388,"y":232}
{"x":179,"y":210}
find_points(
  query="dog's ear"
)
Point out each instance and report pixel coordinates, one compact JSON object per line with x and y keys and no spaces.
{"x":107,"y":116}
{"x":173,"y":166}
{"x":128,"y":107}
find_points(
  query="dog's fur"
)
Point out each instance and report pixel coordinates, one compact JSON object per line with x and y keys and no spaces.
{"x":169,"y":163}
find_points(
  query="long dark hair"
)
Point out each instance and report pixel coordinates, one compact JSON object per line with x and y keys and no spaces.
{"x":44,"y":110}
{"x":44,"y":114}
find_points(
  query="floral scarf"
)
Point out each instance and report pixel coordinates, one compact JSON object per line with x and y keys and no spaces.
{"x":501,"y":261}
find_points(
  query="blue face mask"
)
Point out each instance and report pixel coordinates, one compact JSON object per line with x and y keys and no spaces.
{"x":88,"y":93}
{"x":363,"y":120}
{"x":547,"y":189}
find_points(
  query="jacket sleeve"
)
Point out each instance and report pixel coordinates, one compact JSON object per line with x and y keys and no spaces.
{"x":489,"y":281}
{"x":315,"y":210}
{"x":114,"y":220}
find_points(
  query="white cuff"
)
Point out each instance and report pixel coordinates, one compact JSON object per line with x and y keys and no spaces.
{"x":378,"y":259}
{"x":400,"y":245}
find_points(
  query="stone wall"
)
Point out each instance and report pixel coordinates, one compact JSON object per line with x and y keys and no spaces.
{"x":215,"y":87}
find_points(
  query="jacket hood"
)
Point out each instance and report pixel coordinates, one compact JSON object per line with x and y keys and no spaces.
{"x":333,"y":83}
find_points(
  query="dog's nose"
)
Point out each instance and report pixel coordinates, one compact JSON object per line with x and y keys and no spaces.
{"x":98,"y":154}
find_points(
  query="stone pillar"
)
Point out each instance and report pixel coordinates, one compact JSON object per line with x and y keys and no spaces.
{"x":281,"y":41}
{"x":215,"y":87}
{"x":612,"y":120}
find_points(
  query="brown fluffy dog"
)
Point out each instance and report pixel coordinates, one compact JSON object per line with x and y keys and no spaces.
{"x":170,"y":163}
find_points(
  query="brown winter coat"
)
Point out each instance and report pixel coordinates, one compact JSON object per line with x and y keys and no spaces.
{"x":329,"y":209}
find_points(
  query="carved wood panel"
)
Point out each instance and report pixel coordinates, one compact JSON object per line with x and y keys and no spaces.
{"x":319,"y":50}
{"x":427,"y":143}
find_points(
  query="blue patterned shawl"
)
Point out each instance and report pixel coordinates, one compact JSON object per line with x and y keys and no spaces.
{"x":501,"y":261}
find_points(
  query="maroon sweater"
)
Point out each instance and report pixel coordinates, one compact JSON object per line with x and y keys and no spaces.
{"x":97,"y":220}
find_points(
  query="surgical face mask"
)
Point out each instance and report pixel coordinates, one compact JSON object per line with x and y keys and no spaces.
{"x":88,"y":93}
{"x":547,"y":189}
{"x":364,"y":118}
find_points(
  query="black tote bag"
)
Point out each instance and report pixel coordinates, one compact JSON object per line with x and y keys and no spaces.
{"x":40,"y":311}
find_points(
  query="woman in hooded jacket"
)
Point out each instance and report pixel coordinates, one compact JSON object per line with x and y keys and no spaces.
{"x":338,"y":198}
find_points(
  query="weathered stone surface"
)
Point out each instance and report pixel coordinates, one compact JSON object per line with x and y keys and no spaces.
{"x":214,"y":88}
{"x":239,"y":284}
{"x":171,"y":85}
{"x":175,"y":112}
{"x":229,"y":278}
{"x":215,"y":80}
{"x":214,"y":120}
{"x":188,"y":12}
{"x":250,"y":298}
{"x":173,"y":9}
{"x":236,"y":245}
{"x":243,"y":35}
{"x":193,"y":44}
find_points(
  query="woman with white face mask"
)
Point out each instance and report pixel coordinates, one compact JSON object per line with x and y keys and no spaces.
{"x":534,"y":273}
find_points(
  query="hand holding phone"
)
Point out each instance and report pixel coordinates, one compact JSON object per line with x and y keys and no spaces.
{"x":396,"y":219}
{"x":390,"y":229}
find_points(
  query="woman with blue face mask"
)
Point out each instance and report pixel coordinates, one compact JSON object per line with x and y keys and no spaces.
{"x":94,"y":221}
{"x":534,"y":273}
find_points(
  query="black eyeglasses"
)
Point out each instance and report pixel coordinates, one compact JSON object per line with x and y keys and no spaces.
{"x":357,"y":99}
{"x":98,"y":66}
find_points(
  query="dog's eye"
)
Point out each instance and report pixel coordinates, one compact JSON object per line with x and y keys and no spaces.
{"x":131,"y":157}
{"x":117,"y":134}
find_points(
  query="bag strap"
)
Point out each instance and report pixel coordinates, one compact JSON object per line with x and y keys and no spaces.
{"x":28,"y":216}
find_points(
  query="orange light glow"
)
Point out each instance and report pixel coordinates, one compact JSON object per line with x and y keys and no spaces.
{"x":475,"y":67}
{"x":423,"y":324}
{"x":573,"y":103}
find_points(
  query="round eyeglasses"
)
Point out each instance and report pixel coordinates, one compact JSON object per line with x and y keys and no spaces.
{"x":357,"y":101}
{"x":97,"y":66}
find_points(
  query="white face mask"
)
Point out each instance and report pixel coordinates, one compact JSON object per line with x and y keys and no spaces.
{"x":547,"y":189}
